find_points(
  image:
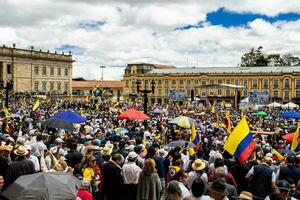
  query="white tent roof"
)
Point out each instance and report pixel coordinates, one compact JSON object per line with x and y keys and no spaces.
{"x":274,"y":105}
{"x":290,"y":105}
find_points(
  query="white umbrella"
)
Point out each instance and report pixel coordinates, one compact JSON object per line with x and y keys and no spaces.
{"x":290,"y":105}
{"x":274,"y":105}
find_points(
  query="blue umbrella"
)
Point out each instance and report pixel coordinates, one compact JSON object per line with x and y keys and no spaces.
{"x":70,"y":117}
{"x":290,"y":114}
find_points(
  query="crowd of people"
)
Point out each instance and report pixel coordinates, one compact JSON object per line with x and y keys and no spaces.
{"x":137,"y":163}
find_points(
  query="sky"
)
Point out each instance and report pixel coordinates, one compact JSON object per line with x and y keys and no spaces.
{"x":187,"y":33}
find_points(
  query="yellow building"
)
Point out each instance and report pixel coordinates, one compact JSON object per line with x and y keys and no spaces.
{"x":36,"y":71}
{"x":213,"y":84}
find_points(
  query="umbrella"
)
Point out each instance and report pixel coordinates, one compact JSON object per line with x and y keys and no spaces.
{"x":58,"y":123}
{"x":287,"y":152}
{"x":289,"y":138}
{"x":184,"y":122}
{"x":157,"y":111}
{"x":121,"y":131}
{"x":132,"y":114}
{"x":290,"y":114}
{"x":261,"y":113}
{"x":47,"y":185}
{"x":180,"y":143}
{"x":71,"y":117}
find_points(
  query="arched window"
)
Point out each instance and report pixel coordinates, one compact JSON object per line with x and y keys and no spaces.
{"x":287,"y":83}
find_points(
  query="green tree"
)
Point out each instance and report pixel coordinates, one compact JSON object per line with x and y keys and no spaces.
{"x":290,"y":60}
{"x":275,"y":60}
{"x":254,"y":58}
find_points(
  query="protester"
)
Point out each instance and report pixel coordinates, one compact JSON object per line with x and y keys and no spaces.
{"x":172,"y":192}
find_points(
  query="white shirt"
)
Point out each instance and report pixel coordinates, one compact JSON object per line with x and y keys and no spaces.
{"x":131,"y":173}
{"x":36,"y":163}
{"x":193,"y":175}
{"x":184,"y":191}
{"x":37,"y":147}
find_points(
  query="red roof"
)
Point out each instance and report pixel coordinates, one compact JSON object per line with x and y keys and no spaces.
{"x":91,"y":84}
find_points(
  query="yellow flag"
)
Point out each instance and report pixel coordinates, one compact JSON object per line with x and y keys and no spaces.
{"x":213,"y":109}
{"x":5,"y":110}
{"x":295,"y":138}
{"x":227,"y":121}
{"x":87,"y":100}
{"x":217,"y":120}
{"x":276,"y":153}
{"x":192,"y":138}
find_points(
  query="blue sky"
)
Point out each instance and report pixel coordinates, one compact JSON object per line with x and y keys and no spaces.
{"x":227,"y":18}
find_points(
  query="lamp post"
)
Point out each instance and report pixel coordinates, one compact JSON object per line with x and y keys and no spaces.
{"x":145,"y":92}
{"x":8,"y":86}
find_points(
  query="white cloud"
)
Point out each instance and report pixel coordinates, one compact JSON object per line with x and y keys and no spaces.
{"x":139,"y":31}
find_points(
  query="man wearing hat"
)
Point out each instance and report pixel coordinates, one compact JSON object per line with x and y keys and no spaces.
{"x":33,"y":158}
{"x":283,"y":190}
{"x":21,"y":166}
{"x":198,"y":171}
{"x":244,"y":196}
{"x":131,"y":174}
{"x":217,"y":190}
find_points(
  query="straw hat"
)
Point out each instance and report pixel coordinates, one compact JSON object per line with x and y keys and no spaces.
{"x":5,"y":148}
{"x":106,"y":151}
{"x":217,"y":187}
{"x":198,"y":165}
{"x":245,"y":195}
{"x":21,"y":151}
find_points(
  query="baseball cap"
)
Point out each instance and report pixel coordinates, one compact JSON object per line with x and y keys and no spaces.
{"x":283,"y":185}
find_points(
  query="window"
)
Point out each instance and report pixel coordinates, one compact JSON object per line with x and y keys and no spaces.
{"x":166,"y":92}
{"x":211,"y":92}
{"x":275,"y":93}
{"x":287,"y":84}
{"x":173,"y":82}
{"x":203,"y":82}
{"x":44,"y":71}
{"x":236,"y":82}
{"x":166,"y":82}
{"x":196,"y":92}
{"x":66,"y":72}
{"x":211,"y":82}
{"x":188,"y":82}
{"x":180,"y":82}
{"x":245,"y":83}
{"x":227,"y":93}
{"x":275,"y":84}
{"x":58,"y":87}
{"x":254,"y":84}
{"x":159,"y":92}
{"x":36,"y":70}
{"x":51,"y":86}
{"x":219,"y":92}
{"x":8,"y":68}
{"x":59,"y":71}
{"x":127,"y":83}
{"x":66,"y":87}
{"x":219,"y":82}
{"x":36,"y":86}
{"x":298,"y":93}
{"x":203,"y":93}
{"x":297,"y":84}
{"x":44,"y":86}
{"x":286,"y":95}
{"x":196,"y":82}
{"x":159,"y":83}
{"x":266,"y":84}
{"x":52,"y":71}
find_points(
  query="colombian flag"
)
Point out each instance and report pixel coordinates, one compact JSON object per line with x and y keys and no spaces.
{"x":36,"y":106}
{"x":240,"y":143}
{"x":295,"y":138}
{"x":194,"y":139}
{"x":227,"y":121}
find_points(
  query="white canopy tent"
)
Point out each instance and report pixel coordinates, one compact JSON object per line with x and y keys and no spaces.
{"x":290,"y":105}
{"x":274,"y":105}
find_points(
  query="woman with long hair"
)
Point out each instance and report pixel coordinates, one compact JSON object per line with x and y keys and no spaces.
{"x":149,"y":187}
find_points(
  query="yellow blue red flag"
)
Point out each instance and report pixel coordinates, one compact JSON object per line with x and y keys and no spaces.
{"x":295,"y":138}
{"x":240,"y":143}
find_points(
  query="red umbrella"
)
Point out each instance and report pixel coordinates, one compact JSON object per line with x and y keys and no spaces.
{"x":289,"y":137}
{"x":132,"y":114}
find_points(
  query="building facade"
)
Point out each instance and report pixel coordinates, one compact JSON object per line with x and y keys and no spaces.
{"x":82,"y":87}
{"x":214,"y":84}
{"x":36,"y":71}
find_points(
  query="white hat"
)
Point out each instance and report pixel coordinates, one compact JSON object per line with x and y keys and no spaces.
{"x":130,"y":147}
{"x":132,"y":155}
{"x":59,"y":140}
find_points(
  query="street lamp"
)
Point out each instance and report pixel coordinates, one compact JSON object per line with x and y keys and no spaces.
{"x":8,"y":86}
{"x":145,"y":92}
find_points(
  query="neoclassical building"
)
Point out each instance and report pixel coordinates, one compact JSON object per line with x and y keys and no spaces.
{"x":36,"y":71}
{"x":213,"y":84}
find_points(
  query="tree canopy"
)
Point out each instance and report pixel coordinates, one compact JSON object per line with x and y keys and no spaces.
{"x":256,"y":58}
